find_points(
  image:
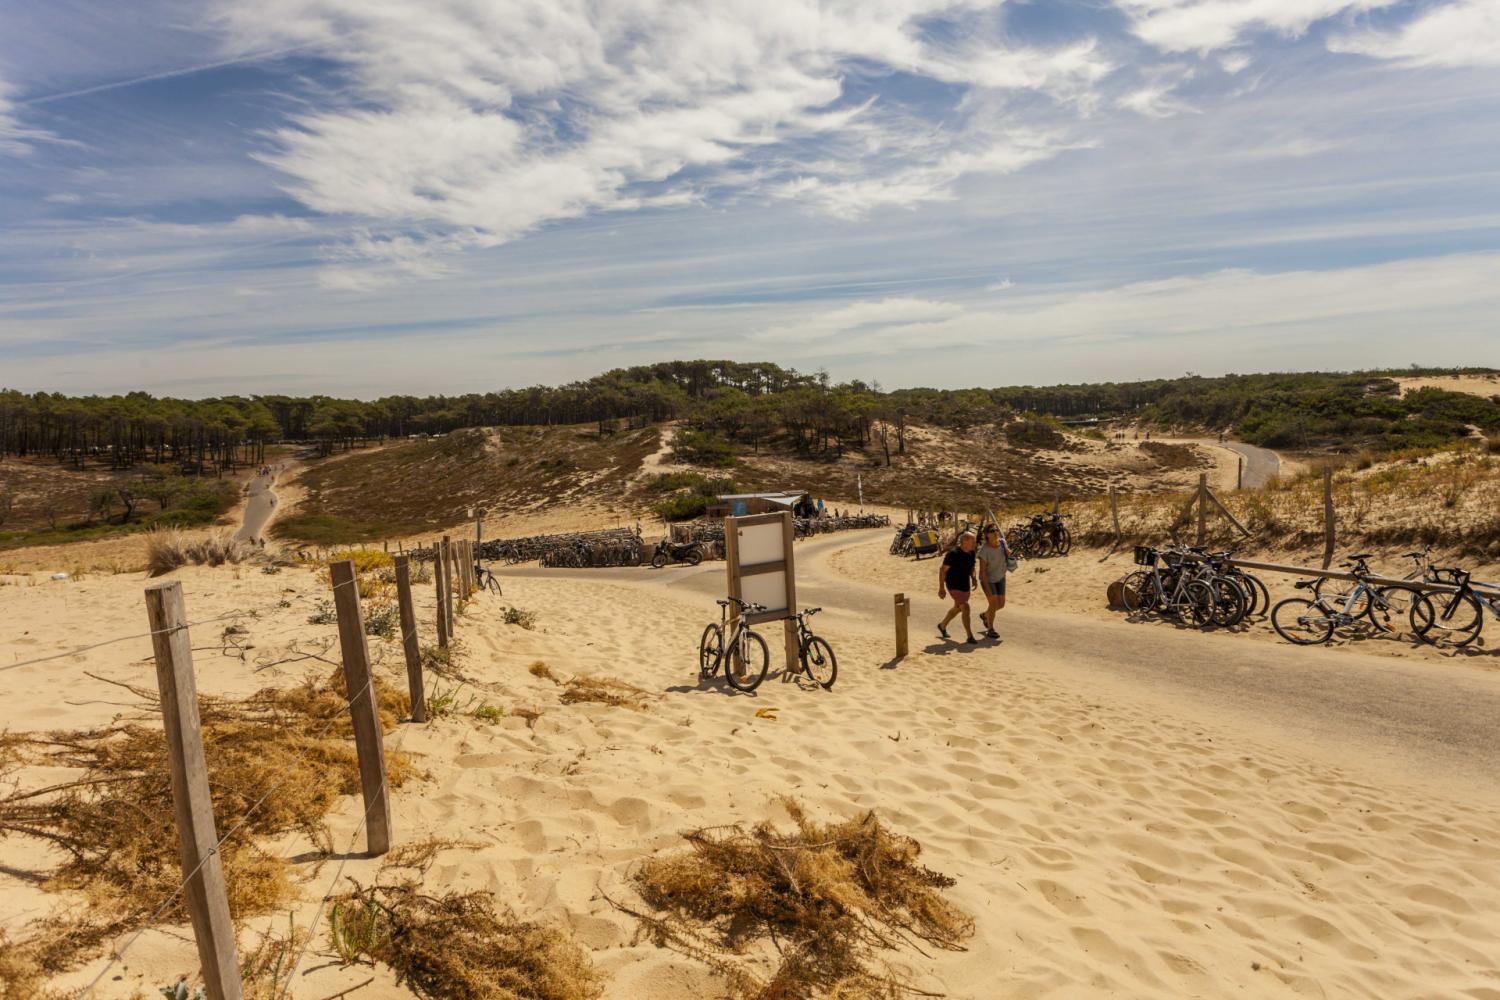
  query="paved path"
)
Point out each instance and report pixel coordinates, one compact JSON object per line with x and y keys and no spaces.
{"x":1437,"y":719}
{"x":1260,"y":463}
{"x":260,"y":507}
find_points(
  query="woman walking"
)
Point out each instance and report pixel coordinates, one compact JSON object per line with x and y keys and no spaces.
{"x":994,"y":561}
{"x":955,"y":579}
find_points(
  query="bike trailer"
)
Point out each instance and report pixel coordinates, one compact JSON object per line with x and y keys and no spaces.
{"x":925,"y":543}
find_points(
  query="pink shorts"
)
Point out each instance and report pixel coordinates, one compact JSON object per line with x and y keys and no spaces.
{"x":959,"y":596}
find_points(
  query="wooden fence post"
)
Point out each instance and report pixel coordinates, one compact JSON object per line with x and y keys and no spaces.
{"x":437,"y":582}
{"x":791,"y":641}
{"x":193,"y":809}
{"x":1056,"y":502}
{"x":448,"y":585}
{"x":1202,"y":506}
{"x":903,"y":611}
{"x":1239,"y":474}
{"x":1327,"y":516}
{"x":468,"y":568}
{"x":409,"y":644}
{"x":369,"y":742}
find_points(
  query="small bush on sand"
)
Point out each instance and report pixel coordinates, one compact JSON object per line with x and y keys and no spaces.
{"x":169,"y":549}
{"x":604,"y":691}
{"x":540,"y":669}
{"x":516,"y":616}
{"x":828,"y":898}
{"x":459,"y":946}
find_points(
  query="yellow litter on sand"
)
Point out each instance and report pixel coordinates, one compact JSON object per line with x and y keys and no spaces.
{"x":766,"y":713}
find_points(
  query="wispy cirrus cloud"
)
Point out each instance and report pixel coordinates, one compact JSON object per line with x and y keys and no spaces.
{"x":1465,"y":33}
{"x":1205,"y":25}
{"x":483,"y":122}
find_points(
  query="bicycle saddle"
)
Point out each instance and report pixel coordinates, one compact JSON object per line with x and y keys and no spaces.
{"x":811,"y":611}
{"x":1306,"y":584}
{"x":1359,"y":556}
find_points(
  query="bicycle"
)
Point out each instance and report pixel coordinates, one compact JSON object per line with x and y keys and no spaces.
{"x":814,"y":654}
{"x":742,"y":645}
{"x":485,"y":579}
{"x":1310,"y":622}
{"x":1453,"y":619}
{"x":1167,"y":591}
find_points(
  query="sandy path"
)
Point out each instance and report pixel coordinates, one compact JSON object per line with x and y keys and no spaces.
{"x":1444,"y":723}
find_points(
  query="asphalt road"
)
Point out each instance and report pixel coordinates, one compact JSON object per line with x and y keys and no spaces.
{"x":1260,"y":463}
{"x":1441,"y":719}
{"x":259,"y":507}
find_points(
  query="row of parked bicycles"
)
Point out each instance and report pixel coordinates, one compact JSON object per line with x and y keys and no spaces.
{"x":1194,"y":586}
{"x":808,"y":526}
{"x":1037,"y":537}
{"x":1450,"y":618}
{"x":1207,"y":590}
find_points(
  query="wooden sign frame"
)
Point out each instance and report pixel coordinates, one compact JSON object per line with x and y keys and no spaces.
{"x":738,"y":572}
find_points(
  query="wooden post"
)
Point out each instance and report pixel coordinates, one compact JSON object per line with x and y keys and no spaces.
{"x":437,"y":582}
{"x":1202,"y":506}
{"x":369,"y":742}
{"x":903,"y":611}
{"x":409,"y":643}
{"x":446,"y":553}
{"x":193,"y":809}
{"x":1056,"y":502}
{"x":789,"y":626}
{"x":1239,"y":474}
{"x":1327,"y":516}
{"x":732,"y":567}
{"x":468,"y":568}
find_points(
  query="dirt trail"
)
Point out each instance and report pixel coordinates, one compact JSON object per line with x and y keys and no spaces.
{"x":261,"y":502}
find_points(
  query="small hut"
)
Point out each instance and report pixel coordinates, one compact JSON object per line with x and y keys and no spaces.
{"x":741,"y":504}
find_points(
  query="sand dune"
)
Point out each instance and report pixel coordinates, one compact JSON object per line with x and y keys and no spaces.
{"x":1108,"y":843}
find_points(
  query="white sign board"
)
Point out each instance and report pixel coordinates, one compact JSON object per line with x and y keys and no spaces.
{"x":758,"y":551}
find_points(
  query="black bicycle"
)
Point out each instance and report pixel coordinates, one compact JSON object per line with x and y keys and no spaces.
{"x":485,"y":579}
{"x":1454,"y":618}
{"x":814,"y":653}
{"x":747,"y":656}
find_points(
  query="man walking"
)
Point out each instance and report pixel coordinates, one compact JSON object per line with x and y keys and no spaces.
{"x":955,"y":579}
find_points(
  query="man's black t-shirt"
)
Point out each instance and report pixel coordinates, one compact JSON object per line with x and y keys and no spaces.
{"x":958,"y":570}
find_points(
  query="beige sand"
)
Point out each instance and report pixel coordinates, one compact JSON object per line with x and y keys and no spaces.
{"x":1479,"y":385}
{"x":1110,"y":840}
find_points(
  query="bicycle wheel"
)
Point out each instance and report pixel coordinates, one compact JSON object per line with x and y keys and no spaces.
{"x":1257,"y":596}
{"x":748,"y":660}
{"x":1200,"y":606}
{"x":710,"y":651}
{"x":1391,"y":608}
{"x":1229,"y":602}
{"x":1137,"y":593}
{"x":1447,"y":619}
{"x":1302,"y":622}
{"x":1063,"y":543}
{"x":819,"y":662}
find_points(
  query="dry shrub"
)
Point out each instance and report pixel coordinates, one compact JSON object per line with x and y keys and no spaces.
{"x":266,"y":969}
{"x":458,"y":946}
{"x":283,"y":757}
{"x":170,"y":549}
{"x":827,"y":898}
{"x":605,"y":691}
{"x":540,"y":669}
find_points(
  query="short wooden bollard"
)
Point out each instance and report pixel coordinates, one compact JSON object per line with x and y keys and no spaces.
{"x":437,"y":582}
{"x":467,"y":559}
{"x":369,"y":741}
{"x":1202,"y":506}
{"x":1239,"y":474}
{"x":409,"y":643}
{"x":903,"y":612}
{"x":193,"y":809}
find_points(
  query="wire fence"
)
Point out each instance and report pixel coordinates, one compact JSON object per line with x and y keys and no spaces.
{"x":348,"y":706}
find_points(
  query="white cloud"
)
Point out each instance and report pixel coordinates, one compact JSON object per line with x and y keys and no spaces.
{"x":871,"y":318}
{"x":486,"y":121}
{"x":15,"y":138}
{"x":1205,"y":25}
{"x":1464,"y":33}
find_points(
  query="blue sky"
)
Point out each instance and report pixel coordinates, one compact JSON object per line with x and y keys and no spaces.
{"x":370,"y":196}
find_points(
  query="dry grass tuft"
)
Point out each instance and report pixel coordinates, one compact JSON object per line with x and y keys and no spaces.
{"x":169,"y":549}
{"x":458,"y":946}
{"x":286,"y":752}
{"x":605,"y":691}
{"x":816,"y":905}
{"x":540,"y":669}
